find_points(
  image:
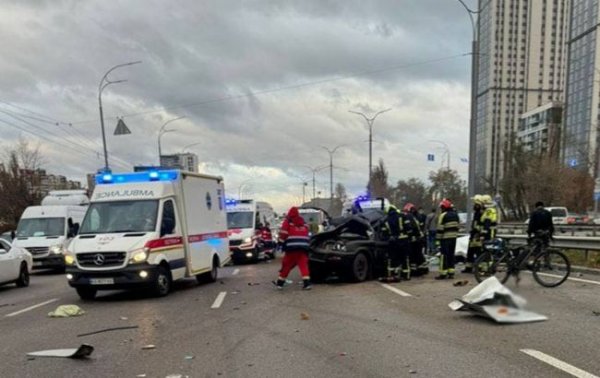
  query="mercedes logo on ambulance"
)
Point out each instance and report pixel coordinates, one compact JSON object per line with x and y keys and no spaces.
{"x":99,"y":259}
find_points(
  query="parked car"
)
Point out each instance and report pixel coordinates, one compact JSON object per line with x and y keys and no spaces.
{"x":8,"y":236}
{"x":573,"y":218}
{"x":354,"y":249}
{"x":15,"y":264}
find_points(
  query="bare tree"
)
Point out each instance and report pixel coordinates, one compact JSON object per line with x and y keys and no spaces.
{"x":380,"y":186}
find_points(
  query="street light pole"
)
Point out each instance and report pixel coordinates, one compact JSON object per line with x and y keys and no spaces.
{"x":473,"y":113}
{"x":105,"y":82}
{"x":370,"y":122}
{"x":314,"y":171}
{"x":447,"y":152}
{"x":331,"y":152}
{"x":163,"y":131}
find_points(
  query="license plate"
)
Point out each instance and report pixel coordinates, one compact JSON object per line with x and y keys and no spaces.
{"x":37,"y":263}
{"x":102,"y":281}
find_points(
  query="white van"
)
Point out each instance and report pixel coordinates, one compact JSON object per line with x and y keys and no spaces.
{"x":559,"y":214}
{"x":147,"y":229}
{"x":46,"y":230}
{"x":244,"y":220}
{"x":314,"y":219}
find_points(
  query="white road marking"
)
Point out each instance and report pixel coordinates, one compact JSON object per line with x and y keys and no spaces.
{"x":570,"y":279}
{"x":396,"y":290}
{"x":567,"y":368}
{"x":30,"y":308}
{"x":219,"y":300}
{"x":235,"y":271}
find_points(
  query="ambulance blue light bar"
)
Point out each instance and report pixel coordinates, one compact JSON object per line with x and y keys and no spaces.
{"x":125,"y":178}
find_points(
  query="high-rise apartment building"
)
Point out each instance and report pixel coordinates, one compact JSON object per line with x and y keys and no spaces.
{"x":522,"y":59}
{"x":186,"y":161}
{"x":580,"y":136}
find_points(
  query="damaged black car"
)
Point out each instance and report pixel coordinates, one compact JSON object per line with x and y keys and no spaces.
{"x":354,"y":248}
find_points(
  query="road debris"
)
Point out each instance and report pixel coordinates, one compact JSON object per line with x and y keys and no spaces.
{"x":253,"y":283}
{"x":595,"y":313}
{"x":149,"y":346}
{"x":188,"y":357}
{"x":304,"y":316}
{"x":66,"y":311}
{"x":141,"y":376}
{"x":461,"y":283}
{"x":83,"y":351}
{"x":342,"y":354}
{"x":107,"y":330}
{"x":412,"y":372}
{"x":493,"y":300}
{"x":124,"y":318}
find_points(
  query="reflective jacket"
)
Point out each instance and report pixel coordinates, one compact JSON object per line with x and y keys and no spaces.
{"x":411,"y":225}
{"x":395,"y":224}
{"x":489,"y":223}
{"x":294,"y":233}
{"x":447,"y":225}
{"x":476,"y":226}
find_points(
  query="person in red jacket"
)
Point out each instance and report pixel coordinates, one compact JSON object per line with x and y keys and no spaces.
{"x":295,"y":239}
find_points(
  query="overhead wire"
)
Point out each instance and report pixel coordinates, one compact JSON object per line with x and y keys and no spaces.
{"x":287,"y":87}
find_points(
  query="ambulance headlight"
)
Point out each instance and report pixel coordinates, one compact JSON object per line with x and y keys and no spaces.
{"x":56,"y":249}
{"x":69,"y":259}
{"x":139,"y":256}
{"x":247,"y":240}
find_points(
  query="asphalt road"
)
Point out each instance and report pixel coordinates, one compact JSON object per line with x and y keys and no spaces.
{"x":352,"y":330}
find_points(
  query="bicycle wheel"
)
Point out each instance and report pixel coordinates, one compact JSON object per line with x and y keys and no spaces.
{"x":551,"y":268}
{"x":488,"y":265}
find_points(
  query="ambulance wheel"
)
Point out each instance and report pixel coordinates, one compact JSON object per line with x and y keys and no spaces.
{"x":211,"y":276}
{"x":162,"y":283}
{"x":86,"y":293}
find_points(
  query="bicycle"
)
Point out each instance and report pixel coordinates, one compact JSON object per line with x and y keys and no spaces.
{"x":550,"y":267}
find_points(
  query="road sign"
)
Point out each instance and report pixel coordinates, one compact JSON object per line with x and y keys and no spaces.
{"x":573,"y":163}
{"x":122,"y":129}
{"x":430,"y":157}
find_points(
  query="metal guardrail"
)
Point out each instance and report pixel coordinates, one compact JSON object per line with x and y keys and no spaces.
{"x":582,"y":243}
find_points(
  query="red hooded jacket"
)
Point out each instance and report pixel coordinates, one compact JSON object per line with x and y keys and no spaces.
{"x":294,"y":233}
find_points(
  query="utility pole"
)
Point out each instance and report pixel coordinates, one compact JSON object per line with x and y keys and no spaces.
{"x":370,"y":122}
{"x":331,"y":152}
{"x":314,"y":171}
{"x":105,"y":82}
{"x":473,"y":118}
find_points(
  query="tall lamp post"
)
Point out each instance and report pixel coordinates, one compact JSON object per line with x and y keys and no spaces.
{"x":105,"y":82}
{"x":370,"y":122}
{"x":163,"y":131}
{"x":473,"y":117}
{"x":314,"y":170}
{"x":189,"y":145}
{"x":446,"y":149}
{"x":331,"y":151}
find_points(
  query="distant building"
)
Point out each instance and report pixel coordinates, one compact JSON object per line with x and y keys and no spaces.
{"x":582,"y":114}
{"x":522,"y":57}
{"x":186,"y":161}
{"x":39,"y":181}
{"x":539,"y":129}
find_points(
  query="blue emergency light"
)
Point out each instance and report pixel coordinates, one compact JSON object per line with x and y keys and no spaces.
{"x":124,"y":178}
{"x":230,"y":202}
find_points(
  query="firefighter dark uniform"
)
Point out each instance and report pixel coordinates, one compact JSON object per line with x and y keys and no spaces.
{"x":398,"y":246}
{"x":474,"y":235}
{"x":411,"y":225}
{"x":489,"y":219}
{"x":295,"y":239}
{"x":446,"y":233}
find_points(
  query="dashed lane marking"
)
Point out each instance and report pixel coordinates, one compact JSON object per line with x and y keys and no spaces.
{"x":561,"y":365}
{"x":396,"y":290}
{"x":235,"y":271}
{"x":219,"y":301}
{"x":30,"y":308}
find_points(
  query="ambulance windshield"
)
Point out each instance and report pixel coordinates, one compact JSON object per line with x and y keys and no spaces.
{"x":240,"y":219}
{"x":120,"y":216}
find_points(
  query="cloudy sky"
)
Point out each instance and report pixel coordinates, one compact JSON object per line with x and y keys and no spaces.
{"x":262,"y":84}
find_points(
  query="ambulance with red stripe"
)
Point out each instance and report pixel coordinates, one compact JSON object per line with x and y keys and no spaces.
{"x":148,"y":229}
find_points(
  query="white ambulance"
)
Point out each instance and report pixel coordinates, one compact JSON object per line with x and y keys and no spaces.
{"x":245,"y":219}
{"x":147,"y":229}
{"x":46,"y":230}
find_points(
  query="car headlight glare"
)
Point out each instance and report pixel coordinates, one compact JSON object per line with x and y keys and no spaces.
{"x":56,"y":249}
{"x":139,"y":256}
{"x":247,"y":240}
{"x":69,"y":259}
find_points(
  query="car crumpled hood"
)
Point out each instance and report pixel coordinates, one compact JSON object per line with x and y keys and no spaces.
{"x":356,"y":223}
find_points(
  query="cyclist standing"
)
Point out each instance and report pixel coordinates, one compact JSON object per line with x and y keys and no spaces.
{"x":540,"y":220}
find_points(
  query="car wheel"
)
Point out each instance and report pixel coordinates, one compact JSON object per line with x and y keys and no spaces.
{"x":360,"y":267}
{"x":162,"y":283}
{"x":86,"y":293}
{"x":211,"y":276}
{"x":23,"y":280}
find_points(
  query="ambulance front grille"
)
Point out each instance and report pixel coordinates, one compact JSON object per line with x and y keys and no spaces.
{"x":101,"y":259}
